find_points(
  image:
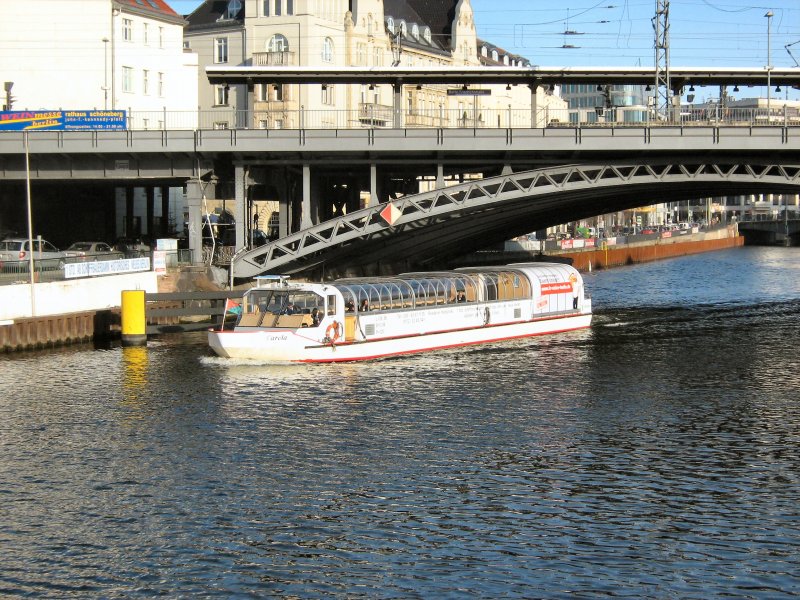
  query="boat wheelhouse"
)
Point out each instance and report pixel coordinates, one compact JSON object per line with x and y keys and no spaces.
{"x":374,"y":317}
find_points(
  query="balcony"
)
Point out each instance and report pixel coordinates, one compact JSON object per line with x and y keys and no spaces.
{"x":273,"y":59}
{"x":376,"y":115}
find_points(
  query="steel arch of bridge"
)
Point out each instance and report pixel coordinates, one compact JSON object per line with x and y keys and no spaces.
{"x":475,"y":214}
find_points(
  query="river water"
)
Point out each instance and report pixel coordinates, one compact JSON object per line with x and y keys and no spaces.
{"x":656,"y":455}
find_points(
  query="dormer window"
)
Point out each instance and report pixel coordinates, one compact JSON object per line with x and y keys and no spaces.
{"x":426,"y":33}
{"x":415,"y":31}
{"x":505,"y":60}
{"x":403,"y":29}
{"x":390,"y":25}
{"x":495,"y":55}
{"x":234,"y":6}
{"x":484,"y":51}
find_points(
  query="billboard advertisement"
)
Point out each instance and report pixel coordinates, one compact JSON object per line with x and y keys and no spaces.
{"x":62,"y":120}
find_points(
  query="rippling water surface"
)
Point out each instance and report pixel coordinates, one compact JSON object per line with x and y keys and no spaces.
{"x":655,"y":455}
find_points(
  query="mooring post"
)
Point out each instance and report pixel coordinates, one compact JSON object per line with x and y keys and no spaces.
{"x":134,"y":325}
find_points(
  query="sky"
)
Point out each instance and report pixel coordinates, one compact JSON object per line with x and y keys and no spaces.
{"x":702,"y":33}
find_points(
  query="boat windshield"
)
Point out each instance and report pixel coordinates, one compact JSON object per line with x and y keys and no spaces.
{"x":267,"y":308}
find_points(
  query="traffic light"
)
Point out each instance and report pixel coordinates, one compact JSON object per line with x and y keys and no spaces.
{"x":9,"y":98}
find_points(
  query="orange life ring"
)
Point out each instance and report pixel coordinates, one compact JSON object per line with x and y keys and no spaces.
{"x":333,"y":332}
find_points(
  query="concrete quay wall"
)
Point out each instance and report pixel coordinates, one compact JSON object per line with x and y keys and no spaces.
{"x":64,"y":312}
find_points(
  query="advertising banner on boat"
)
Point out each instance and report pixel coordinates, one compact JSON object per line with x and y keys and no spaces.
{"x":562,"y":287}
{"x":62,"y":120}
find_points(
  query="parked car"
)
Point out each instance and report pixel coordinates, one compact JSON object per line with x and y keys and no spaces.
{"x":131,"y":247}
{"x":15,"y":255}
{"x":91,"y":251}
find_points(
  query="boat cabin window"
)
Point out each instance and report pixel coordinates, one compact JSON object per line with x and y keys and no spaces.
{"x":367,"y":296}
{"x":272,"y":306}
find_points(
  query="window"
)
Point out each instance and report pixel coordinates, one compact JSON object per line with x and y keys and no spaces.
{"x":160,"y":85}
{"x":361,"y":55}
{"x":390,"y":25}
{"x":146,"y":82}
{"x":426,"y":33}
{"x":403,"y":29}
{"x":220,"y":50}
{"x":221,"y":125}
{"x":265,"y":9}
{"x":221,"y":95}
{"x":495,"y":55}
{"x":277,"y":6}
{"x":127,"y":79}
{"x":327,"y":50}
{"x":234,"y":6}
{"x":160,"y":37}
{"x":328,"y":96}
{"x":145,"y":33}
{"x":278,"y":43}
{"x":415,"y":31}
{"x":127,"y":30}
{"x":289,"y":7}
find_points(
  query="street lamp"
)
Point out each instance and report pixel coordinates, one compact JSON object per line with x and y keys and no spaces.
{"x":105,"y":73}
{"x":769,"y":16}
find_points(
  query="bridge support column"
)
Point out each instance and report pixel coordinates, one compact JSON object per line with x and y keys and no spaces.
{"x":398,"y":105}
{"x":150,"y":212}
{"x":534,"y":103}
{"x":240,"y":210}
{"x":439,"y":176}
{"x":129,"y":230}
{"x":194,"y":197}
{"x":165,"y":229}
{"x":374,"y":200}
{"x":305,"y":213}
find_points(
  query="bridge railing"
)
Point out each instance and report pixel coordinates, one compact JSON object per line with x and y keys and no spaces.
{"x":383,"y":117}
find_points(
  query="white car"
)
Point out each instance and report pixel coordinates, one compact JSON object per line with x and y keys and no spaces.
{"x":84,"y":251}
{"x":15,"y":255}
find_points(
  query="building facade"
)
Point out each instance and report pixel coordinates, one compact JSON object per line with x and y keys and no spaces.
{"x":363,"y":33}
{"x":99,"y":54}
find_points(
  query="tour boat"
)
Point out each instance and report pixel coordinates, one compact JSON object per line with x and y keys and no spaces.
{"x":376,"y":317}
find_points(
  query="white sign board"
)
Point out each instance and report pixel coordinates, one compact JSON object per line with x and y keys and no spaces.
{"x":106,"y":267}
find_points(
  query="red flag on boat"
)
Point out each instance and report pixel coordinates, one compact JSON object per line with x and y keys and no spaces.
{"x":233,"y":306}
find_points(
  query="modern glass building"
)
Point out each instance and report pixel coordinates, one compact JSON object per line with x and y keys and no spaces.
{"x":605,"y":103}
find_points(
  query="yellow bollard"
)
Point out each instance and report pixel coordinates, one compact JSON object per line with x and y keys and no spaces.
{"x":134,"y":324}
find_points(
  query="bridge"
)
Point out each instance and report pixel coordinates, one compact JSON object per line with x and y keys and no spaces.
{"x":528,"y":177}
{"x":778,"y":232}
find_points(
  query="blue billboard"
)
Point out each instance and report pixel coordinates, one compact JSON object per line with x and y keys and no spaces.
{"x":62,"y":120}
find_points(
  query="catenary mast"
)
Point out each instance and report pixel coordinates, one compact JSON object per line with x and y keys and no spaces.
{"x":662,"y":84}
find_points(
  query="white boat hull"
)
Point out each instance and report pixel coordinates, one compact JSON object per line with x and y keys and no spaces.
{"x":281,"y":345}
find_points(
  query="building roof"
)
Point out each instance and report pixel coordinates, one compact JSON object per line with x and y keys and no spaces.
{"x":489,"y":61}
{"x":210,"y":14}
{"x":424,"y":13}
{"x":158,"y":7}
